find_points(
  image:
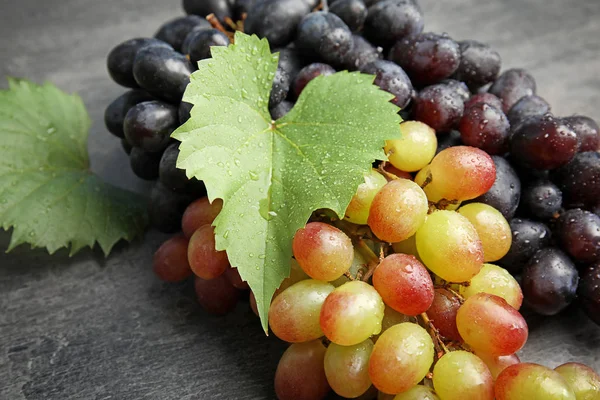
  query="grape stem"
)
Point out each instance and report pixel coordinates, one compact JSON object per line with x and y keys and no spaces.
{"x":385,"y":173}
{"x":367,"y":253}
{"x":435,"y":335}
{"x":217,"y":25}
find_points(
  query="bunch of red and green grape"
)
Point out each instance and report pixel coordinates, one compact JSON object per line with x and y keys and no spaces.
{"x":488,"y":202}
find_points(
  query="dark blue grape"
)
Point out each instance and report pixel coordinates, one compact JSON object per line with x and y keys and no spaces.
{"x":479,"y":64}
{"x":309,"y":73}
{"x":579,"y":181}
{"x":589,"y":292}
{"x":290,"y":60}
{"x":197,"y":47}
{"x":162,"y":72}
{"x":549,"y":282}
{"x":148,"y":125}
{"x":221,"y":8}
{"x":275,"y":20}
{"x":527,"y":238}
{"x":175,"y":31}
{"x":168,"y":173}
{"x":361,"y":54}
{"x":166,"y":208}
{"x":120,"y":59}
{"x":391,"y":20}
{"x":578,"y":232}
{"x":527,"y":107}
{"x":114,"y":116}
{"x":281,"y":109}
{"x":505,"y":193}
{"x":144,"y":164}
{"x":352,"y":12}
{"x":512,"y":85}
{"x":325,"y":35}
{"x":542,"y":199}
{"x":281,"y":87}
{"x":440,"y":106}
{"x":391,"y":77}
{"x":587,"y":130}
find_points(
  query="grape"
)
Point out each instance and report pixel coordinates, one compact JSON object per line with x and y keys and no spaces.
{"x":459,"y":87}
{"x":449,"y":246}
{"x":398,"y":173}
{"x":449,"y":139}
{"x":391,"y":317}
{"x":361,"y":54}
{"x":352,"y":313}
{"x":168,"y":173}
{"x":527,"y":107}
{"x":300,"y":374}
{"x":485,"y":127}
{"x":497,"y":364}
{"x":275,"y":20}
{"x":505,"y":193}
{"x":418,"y":392}
{"x":415,"y":148}
{"x":442,"y":314}
{"x":280,"y":88}
{"x":148,"y":125}
{"x":281,"y":109}
{"x":120,"y":59}
{"x":527,"y":381}
{"x":324,"y":252}
{"x":479,"y":64}
{"x":221,"y":8}
{"x":589,"y":292}
{"x":398,"y":210}
{"x":358,"y":209}
{"x":580,"y":181}
{"x":296,"y":275}
{"x":294,"y":313}
{"x":347,"y":368}
{"x":401,"y":358}
{"x":391,"y":20}
{"x":233,"y":276}
{"x":145,"y":165}
{"x":527,"y":238}
{"x":404,"y":284}
{"x":408,"y":246}
{"x":492,"y":228}
{"x":198,"y":45}
{"x":486,"y":98}
{"x":163,"y":72}
{"x":253,"y":305}
{"x":439,"y":106}
{"x":542,"y":199}
{"x":309,"y":73}
{"x":166,"y":208}
{"x":460,"y":375}
{"x":200,"y":212}
{"x":216,"y":296}
{"x":545,"y":143}
{"x":114,"y":116}
{"x":549,"y":281}
{"x":427,"y":58}
{"x":587,"y":131}
{"x":512,"y":85}
{"x":392,"y":79}
{"x":579,"y":234}
{"x":325,"y":35}
{"x":352,"y":12}
{"x":126,"y":146}
{"x":241,"y":7}
{"x":206,"y":262}
{"x":462,"y":173}
{"x":583,"y":380}
{"x":170,"y":260}
{"x":495,"y":280}
{"x":290,"y":60}
{"x":184,"y":111}
{"x":175,"y":31}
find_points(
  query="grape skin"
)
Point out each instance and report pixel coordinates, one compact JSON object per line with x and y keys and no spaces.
{"x":415,"y":148}
{"x":528,"y":381}
{"x":168,"y":173}
{"x":512,"y":85}
{"x":579,"y":234}
{"x":347,"y":368}
{"x":358,"y":209}
{"x":505,"y":193}
{"x":325,"y":35}
{"x":233,"y":276}
{"x":275,"y":20}
{"x":485,"y":127}
{"x":221,"y":8}
{"x":542,"y":199}
{"x":206,"y":262}
{"x":497,"y":281}
{"x":579,"y":181}
{"x":198,"y":46}
{"x":200,"y":212}
{"x":114,"y":116}
{"x":391,"y":317}
{"x":418,"y":392}
{"x":121,"y":58}
{"x":352,"y":12}
{"x":460,"y":375}
{"x":583,"y":380}
{"x":442,"y":314}
{"x":174,"y":32}
{"x":527,"y":107}
{"x":216,"y":296}
{"x":361,"y":54}
{"x":309,"y":73}
{"x":492,"y":228}
{"x":479,"y":64}
{"x":166,"y":207}
{"x":391,"y":78}
{"x":587,"y":131}
{"x":391,"y":20}
{"x":170,"y":262}
{"x":439,"y":106}
{"x":527,"y":238}
{"x":589,"y":292}
{"x":497,"y":364}
{"x":148,"y":125}
{"x":144,"y":165}
{"x":485,"y":97}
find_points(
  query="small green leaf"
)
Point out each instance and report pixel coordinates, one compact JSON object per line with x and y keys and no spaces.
{"x":273,"y":175}
{"x":47,"y":193}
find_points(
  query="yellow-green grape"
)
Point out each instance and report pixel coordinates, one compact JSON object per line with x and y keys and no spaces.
{"x":294,"y":313}
{"x":492,"y":228}
{"x":352,"y":313}
{"x":495,"y":280}
{"x":358,"y":263}
{"x":408,"y":246}
{"x":296,"y":275}
{"x":460,"y":375}
{"x":497,"y":364}
{"x":401,"y":358}
{"x":419,"y":392}
{"x":415,"y":148}
{"x":450,"y":247}
{"x":527,"y":381}
{"x":347,"y":368}
{"x":583,"y":380}
{"x":392,"y":317}
{"x":398,"y":210}
{"x":358,"y":209}
{"x":433,"y":194}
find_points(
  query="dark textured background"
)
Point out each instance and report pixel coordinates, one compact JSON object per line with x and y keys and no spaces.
{"x":89,"y":328}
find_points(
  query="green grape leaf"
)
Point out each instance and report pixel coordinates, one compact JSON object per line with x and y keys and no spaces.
{"x":272,"y":175}
{"x":48,"y":195}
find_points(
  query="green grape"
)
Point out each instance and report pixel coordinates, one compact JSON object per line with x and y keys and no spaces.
{"x":347,"y":368}
{"x":532,"y":382}
{"x":300,"y":373}
{"x":352,"y":313}
{"x":294,"y":313}
{"x":296,"y":275}
{"x":495,"y":280}
{"x":490,"y":325}
{"x":460,"y":375}
{"x":358,"y":263}
{"x":323,"y":251}
{"x":408,"y":246}
{"x":358,"y":209}
{"x":398,"y":210}
{"x":415,"y":148}
{"x":391,"y":317}
{"x":449,"y":246}
{"x":419,"y":392}
{"x":497,"y":364}
{"x":492,"y":228}
{"x":583,"y":380}
{"x":401,"y":358}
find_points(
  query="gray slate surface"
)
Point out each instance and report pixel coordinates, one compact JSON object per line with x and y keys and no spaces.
{"x":89,"y":328}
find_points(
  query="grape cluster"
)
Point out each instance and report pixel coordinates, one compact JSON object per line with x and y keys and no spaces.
{"x":414,"y":293}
